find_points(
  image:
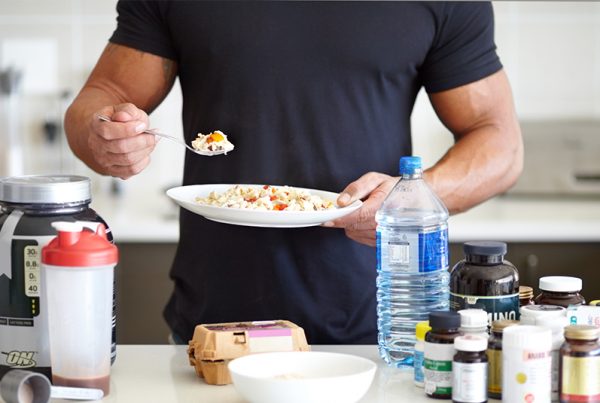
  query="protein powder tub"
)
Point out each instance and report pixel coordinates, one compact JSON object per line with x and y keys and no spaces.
{"x":580,"y":365}
{"x":439,"y":353}
{"x":28,"y":206}
{"x":470,"y":369}
{"x":485,"y":280}
{"x":494,"y":353}
{"x":526,"y":362}
{"x":560,"y":290}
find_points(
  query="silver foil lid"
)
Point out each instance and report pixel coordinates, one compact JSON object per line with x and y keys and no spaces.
{"x":45,"y":189}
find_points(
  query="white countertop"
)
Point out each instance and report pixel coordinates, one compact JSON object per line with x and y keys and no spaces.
{"x":162,"y":374}
{"x":138,"y":217}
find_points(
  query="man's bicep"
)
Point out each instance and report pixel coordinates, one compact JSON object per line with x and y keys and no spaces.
{"x":481,"y":103}
{"x":134,"y":76}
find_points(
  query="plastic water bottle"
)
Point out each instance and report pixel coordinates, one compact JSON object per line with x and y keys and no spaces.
{"x":412,"y":262}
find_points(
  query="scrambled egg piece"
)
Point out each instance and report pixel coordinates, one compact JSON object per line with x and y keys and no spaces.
{"x":215,"y":141}
{"x":269,"y":198}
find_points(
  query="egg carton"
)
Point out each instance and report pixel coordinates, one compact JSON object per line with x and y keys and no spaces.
{"x":214,"y":345}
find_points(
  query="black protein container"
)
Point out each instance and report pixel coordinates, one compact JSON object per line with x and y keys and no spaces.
{"x":28,"y":206}
{"x":485,"y":280}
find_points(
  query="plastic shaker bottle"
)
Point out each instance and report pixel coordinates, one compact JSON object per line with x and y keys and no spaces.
{"x":77,"y":271}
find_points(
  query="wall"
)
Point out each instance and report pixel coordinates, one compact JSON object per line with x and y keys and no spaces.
{"x":551,"y":52}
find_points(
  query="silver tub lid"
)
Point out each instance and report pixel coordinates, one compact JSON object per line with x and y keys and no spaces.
{"x":53,"y":189}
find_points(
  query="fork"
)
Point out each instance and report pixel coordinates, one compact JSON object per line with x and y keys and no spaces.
{"x":105,"y":118}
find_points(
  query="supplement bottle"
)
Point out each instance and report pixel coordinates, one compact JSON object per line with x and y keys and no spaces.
{"x":579,"y":379}
{"x":494,"y":354}
{"x":526,"y":362}
{"x":473,"y":322}
{"x":28,"y":206}
{"x":560,"y":290}
{"x":412,"y":262}
{"x":439,"y":353}
{"x":557,"y":327}
{"x":485,"y":280}
{"x":420,"y":332}
{"x":525,"y":295}
{"x":469,"y":370}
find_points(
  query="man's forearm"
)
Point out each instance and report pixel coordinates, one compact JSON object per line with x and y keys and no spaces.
{"x":482,"y":163}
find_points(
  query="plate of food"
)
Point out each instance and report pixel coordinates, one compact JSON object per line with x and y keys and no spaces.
{"x":261,"y":205}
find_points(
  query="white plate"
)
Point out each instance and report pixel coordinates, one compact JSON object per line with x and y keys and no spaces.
{"x":185,"y":196}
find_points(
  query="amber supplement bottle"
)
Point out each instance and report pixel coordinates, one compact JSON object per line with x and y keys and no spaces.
{"x":485,"y":280}
{"x":494,"y":353}
{"x":580,"y":365}
{"x":439,"y":353}
{"x":525,"y":295}
{"x":560,"y":290}
{"x":470,"y":369}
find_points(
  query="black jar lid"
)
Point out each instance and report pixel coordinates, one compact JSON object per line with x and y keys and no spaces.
{"x":484,"y":248}
{"x":444,"y":320}
{"x":45,"y":189}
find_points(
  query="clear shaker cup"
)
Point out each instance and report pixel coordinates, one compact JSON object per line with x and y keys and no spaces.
{"x":77,"y":273}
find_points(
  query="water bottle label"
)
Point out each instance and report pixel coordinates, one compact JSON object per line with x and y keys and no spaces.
{"x":408,"y":252}
{"x":497,"y":307}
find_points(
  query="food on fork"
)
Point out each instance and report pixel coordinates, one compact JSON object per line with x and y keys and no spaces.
{"x":269,"y":198}
{"x":215,"y":141}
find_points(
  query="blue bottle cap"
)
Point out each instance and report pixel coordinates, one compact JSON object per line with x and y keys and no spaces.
{"x":408,"y":165}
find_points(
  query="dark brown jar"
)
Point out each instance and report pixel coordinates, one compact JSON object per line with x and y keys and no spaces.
{"x":485,"y":280}
{"x":469,"y":369}
{"x":560,"y":290}
{"x":525,"y":295}
{"x":579,"y":365}
{"x":494,"y":354}
{"x":439,"y":352}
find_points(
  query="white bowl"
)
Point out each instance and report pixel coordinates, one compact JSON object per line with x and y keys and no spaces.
{"x":302,"y":377}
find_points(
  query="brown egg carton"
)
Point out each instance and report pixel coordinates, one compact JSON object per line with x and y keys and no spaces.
{"x":214,"y":345}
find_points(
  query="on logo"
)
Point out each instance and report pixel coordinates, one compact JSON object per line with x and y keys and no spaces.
{"x":21,"y":359}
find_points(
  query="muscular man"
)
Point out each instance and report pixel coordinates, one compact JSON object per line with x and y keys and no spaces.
{"x":313,"y":94}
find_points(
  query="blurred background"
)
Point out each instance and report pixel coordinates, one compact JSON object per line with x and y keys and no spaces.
{"x":551,"y":218}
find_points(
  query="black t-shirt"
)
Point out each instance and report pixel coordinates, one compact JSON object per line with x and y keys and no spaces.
{"x":312,"y":94}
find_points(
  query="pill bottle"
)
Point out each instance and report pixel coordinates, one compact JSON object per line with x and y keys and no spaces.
{"x":420,"y":331}
{"x":557,"y":327}
{"x":526,"y":364}
{"x":525,"y":295}
{"x":484,"y":280}
{"x":494,"y":353}
{"x":560,"y":290}
{"x":439,"y":353}
{"x":470,"y":369}
{"x":474,"y":322}
{"x":530,"y":314}
{"x":580,"y":365}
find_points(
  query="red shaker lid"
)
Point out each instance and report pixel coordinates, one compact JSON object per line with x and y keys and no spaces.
{"x":75,"y":247}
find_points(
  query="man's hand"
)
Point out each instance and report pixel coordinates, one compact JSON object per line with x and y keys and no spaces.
{"x":360,"y":225}
{"x":120,"y":147}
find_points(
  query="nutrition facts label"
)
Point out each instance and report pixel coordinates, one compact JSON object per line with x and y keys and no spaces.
{"x":31,"y":268}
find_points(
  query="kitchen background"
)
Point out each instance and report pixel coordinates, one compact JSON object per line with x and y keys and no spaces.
{"x":551,"y":219}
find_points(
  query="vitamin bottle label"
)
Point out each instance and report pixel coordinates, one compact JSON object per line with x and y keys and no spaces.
{"x":497,"y":307}
{"x":581,"y":379}
{"x":526,"y":375}
{"x":494,"y":371}
{"x":421,"y":252}
{"x":418,"y":364}
{"x":469,"y":382}
{"x":437,"y":368}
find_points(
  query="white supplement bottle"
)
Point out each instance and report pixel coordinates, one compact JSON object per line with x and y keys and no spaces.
{"x":526,"y":359}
